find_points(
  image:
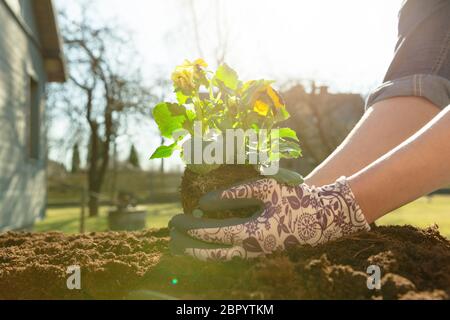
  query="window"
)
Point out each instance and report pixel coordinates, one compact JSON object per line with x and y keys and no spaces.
{"x":34,"y":120}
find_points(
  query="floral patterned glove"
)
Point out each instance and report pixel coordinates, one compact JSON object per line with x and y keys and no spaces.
{"x":289,"y":216}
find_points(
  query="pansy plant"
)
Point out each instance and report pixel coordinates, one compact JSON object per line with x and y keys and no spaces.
{"x":220,"y":101}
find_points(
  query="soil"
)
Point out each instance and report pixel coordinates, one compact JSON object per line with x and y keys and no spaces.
{"x":194,"y":186}
{"x":415,"y":264}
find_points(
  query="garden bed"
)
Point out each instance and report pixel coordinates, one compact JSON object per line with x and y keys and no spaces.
{"x":414,"y":264}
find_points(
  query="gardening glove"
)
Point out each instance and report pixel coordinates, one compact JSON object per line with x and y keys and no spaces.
{"x":283,"y":176}
{"x":288,"y":216}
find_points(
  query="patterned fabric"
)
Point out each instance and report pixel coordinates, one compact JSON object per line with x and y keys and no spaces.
{"x":292,"y":216}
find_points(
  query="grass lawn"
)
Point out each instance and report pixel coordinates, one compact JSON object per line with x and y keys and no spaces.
{"x":68,"y":219}
{"x":421,"y":213}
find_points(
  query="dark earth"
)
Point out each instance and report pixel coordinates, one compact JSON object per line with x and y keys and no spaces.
{"x":415,"y":264}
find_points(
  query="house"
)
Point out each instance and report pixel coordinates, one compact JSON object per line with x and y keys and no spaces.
{"x":30,"y":57}
{"x":322,"y":120}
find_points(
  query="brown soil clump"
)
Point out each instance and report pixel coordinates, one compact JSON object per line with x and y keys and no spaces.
{"x":194,"y":186}
{"x":415,"y":264}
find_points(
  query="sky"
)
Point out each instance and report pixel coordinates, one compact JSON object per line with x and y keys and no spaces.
{"x":345,"y":44}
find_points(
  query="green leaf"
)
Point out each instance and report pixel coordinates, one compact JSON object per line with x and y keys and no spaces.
{"x":287,"y":133}
{"x":288,"y":177}
{"x":289,"y":149}
{"x":281,"y":115}
{"x":166,"y":121}
{"x":181,"y":97}
{"x":176,"y":109}
{"x":226,"y":76}
{"x":189,"y":123}
{"x":164,"y":151}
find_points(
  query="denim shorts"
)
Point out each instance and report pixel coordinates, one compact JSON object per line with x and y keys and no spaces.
{"x":421,"y":63}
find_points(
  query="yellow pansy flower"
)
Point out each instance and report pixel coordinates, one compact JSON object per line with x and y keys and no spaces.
{"x":261,"y":107}
{"x":183,"y":78}
{"x":269,"y":97}
{"x":188,"y":76}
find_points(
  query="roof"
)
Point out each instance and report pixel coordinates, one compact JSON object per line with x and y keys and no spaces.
{"x":50,"y":39}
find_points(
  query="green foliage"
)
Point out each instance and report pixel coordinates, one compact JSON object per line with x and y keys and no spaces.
{"x":288,"y":133}
{"x":67,"y":219}
{"x":288,"y":177}
{"x":164,"y":151}
{"x":226,"y":77}
{"x":169,"y":118}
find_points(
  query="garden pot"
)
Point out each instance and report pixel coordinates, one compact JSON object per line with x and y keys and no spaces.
{"x":128,"y":219}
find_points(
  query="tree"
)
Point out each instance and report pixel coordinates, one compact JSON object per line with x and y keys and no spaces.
{"x":75,"y":159}
{"x":104,"y":92}
{"x":221,"y":35}
{"x":133,"y":159}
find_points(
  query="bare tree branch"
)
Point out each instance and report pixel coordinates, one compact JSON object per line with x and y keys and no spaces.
{"x":101,"y":94}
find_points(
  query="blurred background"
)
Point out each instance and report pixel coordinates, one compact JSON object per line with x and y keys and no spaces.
{"x":78,"y":80}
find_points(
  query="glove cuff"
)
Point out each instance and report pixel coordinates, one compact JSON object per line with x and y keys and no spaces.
{"x":354,"y":208}
{"x":347,"y":217}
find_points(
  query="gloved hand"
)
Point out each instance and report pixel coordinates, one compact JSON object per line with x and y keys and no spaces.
{"x":289,"y":216}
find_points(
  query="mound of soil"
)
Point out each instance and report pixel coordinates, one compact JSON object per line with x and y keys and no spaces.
{"x":194,"y":186}
{"x":415,"y":264}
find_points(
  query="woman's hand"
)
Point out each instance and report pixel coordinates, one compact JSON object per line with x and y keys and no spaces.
{"x":289,"y":216}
